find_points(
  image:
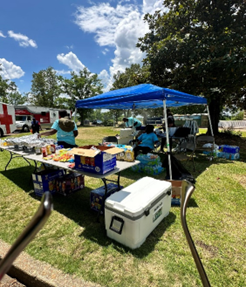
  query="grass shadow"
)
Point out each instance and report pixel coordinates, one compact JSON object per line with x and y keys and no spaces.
{"x":145,"y":249}
{"x":201,"y":164}
{"x":16,"y":175}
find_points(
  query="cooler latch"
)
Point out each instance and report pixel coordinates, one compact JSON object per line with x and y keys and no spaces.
{"x":116,"y":224}
{"x":146,"y":212}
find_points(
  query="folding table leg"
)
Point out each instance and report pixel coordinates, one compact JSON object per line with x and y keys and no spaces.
{"x":13,"y":155}
{"x":106,"y":191}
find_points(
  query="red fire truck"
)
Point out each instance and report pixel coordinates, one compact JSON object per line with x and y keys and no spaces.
{"x":7,"y":119}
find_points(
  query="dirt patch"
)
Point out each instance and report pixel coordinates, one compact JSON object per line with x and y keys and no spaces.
{"x":211,"y":249}
{"x":241,"y":180}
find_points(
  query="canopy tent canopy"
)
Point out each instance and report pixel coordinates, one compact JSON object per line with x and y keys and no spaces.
{"x":140,"y":97}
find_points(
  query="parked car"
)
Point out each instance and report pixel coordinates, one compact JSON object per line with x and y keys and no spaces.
{"x":97,"y":122}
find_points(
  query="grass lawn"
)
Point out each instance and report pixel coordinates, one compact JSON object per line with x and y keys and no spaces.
{"x":73,"y":241}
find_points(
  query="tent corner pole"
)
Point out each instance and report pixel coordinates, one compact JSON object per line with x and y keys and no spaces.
{"x":74,"y":117}
{"x":210,"y":123}
{"x":167,"y":139}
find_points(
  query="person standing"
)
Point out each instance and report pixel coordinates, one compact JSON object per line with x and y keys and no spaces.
{"x":132,"y":123}
{"x":35,"y":126}
{"x":66,"y":130}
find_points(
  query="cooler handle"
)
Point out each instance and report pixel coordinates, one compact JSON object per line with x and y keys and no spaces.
{"x":116,"y":224}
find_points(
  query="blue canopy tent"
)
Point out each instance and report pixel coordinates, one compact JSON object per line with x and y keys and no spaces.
{"x":142,"y":97}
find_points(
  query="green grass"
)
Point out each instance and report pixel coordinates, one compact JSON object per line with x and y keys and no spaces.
{"x":73,"y":241}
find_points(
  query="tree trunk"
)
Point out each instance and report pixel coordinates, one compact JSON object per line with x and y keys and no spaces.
{"x":214,"y":110}
{"x":80,"y":112}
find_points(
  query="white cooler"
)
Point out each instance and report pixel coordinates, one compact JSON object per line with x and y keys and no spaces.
{"x":124,"y":133}
{"x":132,"y":213}
{"x":125,"y":136}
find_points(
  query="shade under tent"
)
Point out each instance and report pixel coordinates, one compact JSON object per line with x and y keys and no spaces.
{"x":143,"y":96}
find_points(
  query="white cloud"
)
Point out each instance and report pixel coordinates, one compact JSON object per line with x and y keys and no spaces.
{"x":102,"y":20}
{"x":150,"y":6}
{"x":23,"y":40}
{"x":105,"y":51}
{"x":126,"y":38}
{"x":1,"y":35}
{"x":69,"y":47}
{"x":62,"y":72}
{"x":105,"y":78}
{"x":71,"y":60}
{"x":119,"y":27}
{"x":9,"y":70}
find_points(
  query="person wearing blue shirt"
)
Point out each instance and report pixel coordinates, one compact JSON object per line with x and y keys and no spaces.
{"x":66,"y":130}
{"x":147,"y":141}
{"x":132,"y":123}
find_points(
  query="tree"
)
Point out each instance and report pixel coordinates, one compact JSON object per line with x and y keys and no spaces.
{"x":6,"y":87}
{"x":45,"y":88}
{"x":16,"y":98}
{"x":81,"y":86}
{"x":198,"y":47}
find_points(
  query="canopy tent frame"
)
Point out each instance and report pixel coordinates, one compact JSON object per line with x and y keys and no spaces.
{"x":144,"y":96}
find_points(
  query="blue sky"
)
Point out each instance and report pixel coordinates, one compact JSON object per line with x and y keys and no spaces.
{"x":69,"y":35}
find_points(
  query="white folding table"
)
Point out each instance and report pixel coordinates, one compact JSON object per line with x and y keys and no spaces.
{"x":120,"y":166}
{"x":30,"y":155}
{"x":14,"y":153}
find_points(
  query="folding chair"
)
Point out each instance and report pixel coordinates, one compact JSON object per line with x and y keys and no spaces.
{"x":204,"y":143}
{"x":182,"y":134}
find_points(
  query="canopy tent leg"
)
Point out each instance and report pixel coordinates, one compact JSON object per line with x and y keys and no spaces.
{"x":167,"y":139}
{"x":75,"y":113}
{"x":210,"y":123}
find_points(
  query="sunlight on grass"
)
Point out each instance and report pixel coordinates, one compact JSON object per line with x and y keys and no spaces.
{"x":73,"y":241}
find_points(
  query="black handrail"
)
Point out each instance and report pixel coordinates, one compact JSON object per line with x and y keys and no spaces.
{"x":187,"y":190}
{"x":36,"y":224}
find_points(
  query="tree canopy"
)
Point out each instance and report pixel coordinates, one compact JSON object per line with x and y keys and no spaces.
{"x":45,"y":88}
{"x":7,"y":88}
{"x":81,"y":86}
{"x":198,"y":47}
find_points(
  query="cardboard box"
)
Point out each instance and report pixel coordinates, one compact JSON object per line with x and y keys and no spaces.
{"x":45,"y":181}
{"x":176,"y":191}
{"x":69,"y":183}
{"x":97,"y":199}
{"x":99,"y":161}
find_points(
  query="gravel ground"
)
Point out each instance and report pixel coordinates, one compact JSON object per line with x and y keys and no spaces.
{"x":10,"y":282}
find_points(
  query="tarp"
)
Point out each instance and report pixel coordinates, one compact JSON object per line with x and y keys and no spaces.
{"x":140,"y":97}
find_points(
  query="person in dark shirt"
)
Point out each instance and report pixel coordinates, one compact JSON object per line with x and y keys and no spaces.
{"x":35,"y":126}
